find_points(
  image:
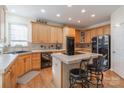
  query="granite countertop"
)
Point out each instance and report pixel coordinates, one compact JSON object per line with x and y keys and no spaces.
{"x":74,"y":58}
{"x":7,"y":59}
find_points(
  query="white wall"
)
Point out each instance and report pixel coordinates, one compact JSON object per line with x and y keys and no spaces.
{"x":117,"y":41}
{"x":10,"y":18}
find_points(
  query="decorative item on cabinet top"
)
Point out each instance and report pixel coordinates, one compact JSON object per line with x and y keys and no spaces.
{"x":41,"y":21}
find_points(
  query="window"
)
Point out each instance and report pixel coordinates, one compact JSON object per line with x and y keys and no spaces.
{"x":18,"y":35}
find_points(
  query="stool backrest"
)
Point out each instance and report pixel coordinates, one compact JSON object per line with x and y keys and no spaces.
{"x":84,"y":63}
{"x":101,"y":65}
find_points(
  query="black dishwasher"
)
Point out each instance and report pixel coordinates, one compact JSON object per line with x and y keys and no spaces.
{"x":46,"y":60}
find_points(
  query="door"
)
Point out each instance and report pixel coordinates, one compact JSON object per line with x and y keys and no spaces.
{"x":117,"y":58}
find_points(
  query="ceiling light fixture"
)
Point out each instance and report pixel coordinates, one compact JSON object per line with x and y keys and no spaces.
{"x":69,"y":18}
{"x":58,"y":15}
{"x":83,"y":11}
{"x":69,"y":5}
{"x":93,"y":15}
{"x":78,"y":21}
{"x":43,"y":11}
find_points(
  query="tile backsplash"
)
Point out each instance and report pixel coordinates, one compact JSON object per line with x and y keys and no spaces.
{"x":83,"y":45}
{"x":32,"y":46}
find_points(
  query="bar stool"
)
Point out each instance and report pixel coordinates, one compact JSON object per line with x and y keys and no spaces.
{"x":96,"y":70}
{"x":79,"y":75}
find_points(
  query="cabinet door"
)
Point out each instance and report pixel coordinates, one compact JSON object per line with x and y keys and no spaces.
{"x":27,"y":64}
{"x":7,"y":79}
{"x":87,"y":37}
{"x":35,"y":29}
{"x":21,"y":67}
{"x":54,"y":33}
{"x":93,"y":33}
{"x":77,"y":36}
{"x":60,"y":35}
{"x":99,"y":31}
{"x":13,"y":76}
{"x":36,"y":61}
{"x":106,"y":30}
{"x":42,"y":35}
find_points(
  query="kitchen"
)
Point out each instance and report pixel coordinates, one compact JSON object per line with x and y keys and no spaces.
{"x":32,"y":46}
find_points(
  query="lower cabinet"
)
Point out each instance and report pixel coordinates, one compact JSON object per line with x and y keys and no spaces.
{"x":10,"y":77}
{"x":36,"y":60}
{"x":23,"y":64}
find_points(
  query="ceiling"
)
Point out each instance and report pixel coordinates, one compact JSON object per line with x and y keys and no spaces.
{"x":102,"y":13}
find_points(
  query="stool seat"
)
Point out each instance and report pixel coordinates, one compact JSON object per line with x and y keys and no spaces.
{"x":78,"y":73}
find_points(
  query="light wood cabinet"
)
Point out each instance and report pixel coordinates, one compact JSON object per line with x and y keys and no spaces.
{"x":89,"y":34}
{"x":36,"y":61}
{"x":87,"y":37}
{"x":93,"y":33}
{"x":42,"y":33}
{"x":106,"y":30}
{"x":7,"y":79}
{"x":77,"y":36}
{"x":23,"y":64}
{"x":56,"y":35}
{"x":99,"y":31}
{"x":35,"y":32}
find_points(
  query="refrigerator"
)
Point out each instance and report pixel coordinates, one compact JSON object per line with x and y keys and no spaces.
{"x":101,"y":45}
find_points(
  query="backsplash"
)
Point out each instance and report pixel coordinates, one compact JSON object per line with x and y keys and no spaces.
{"x":83,"y":45}
{"x":32,"y":46}
{"x":47,"y":46}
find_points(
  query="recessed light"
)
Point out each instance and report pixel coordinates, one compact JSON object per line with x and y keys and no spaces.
{"x":69,"y":18}
{"x":43,"y":11}
{"x":13,"y":11}
{"x":117,"y":25}
{"x":58,"y":15}
{"x":93,"y":15}
{"x":78,"y":21}
{"x":83,"y":11}
{"x":69,"y":5}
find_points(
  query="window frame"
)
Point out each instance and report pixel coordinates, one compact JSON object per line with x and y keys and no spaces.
{"x":9,"y":29}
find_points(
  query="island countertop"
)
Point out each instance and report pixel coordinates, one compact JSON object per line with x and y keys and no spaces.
{"x":74,"y":58}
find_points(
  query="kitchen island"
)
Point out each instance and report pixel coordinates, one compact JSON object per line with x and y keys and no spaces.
{"x":62,"y":64}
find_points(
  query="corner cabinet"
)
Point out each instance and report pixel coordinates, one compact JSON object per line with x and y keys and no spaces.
{"x":22,"y":64}
{"x":43,"y":33}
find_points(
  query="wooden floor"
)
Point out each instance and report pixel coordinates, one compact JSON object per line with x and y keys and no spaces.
{"x":111,"y":80}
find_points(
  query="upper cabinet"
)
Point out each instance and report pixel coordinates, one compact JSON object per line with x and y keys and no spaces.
{"x":89,"y":34}
{"x":87,"y":37}
{"x":42,"y":33}
{"x":77,"y":36}
{"x":35,"y":31}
